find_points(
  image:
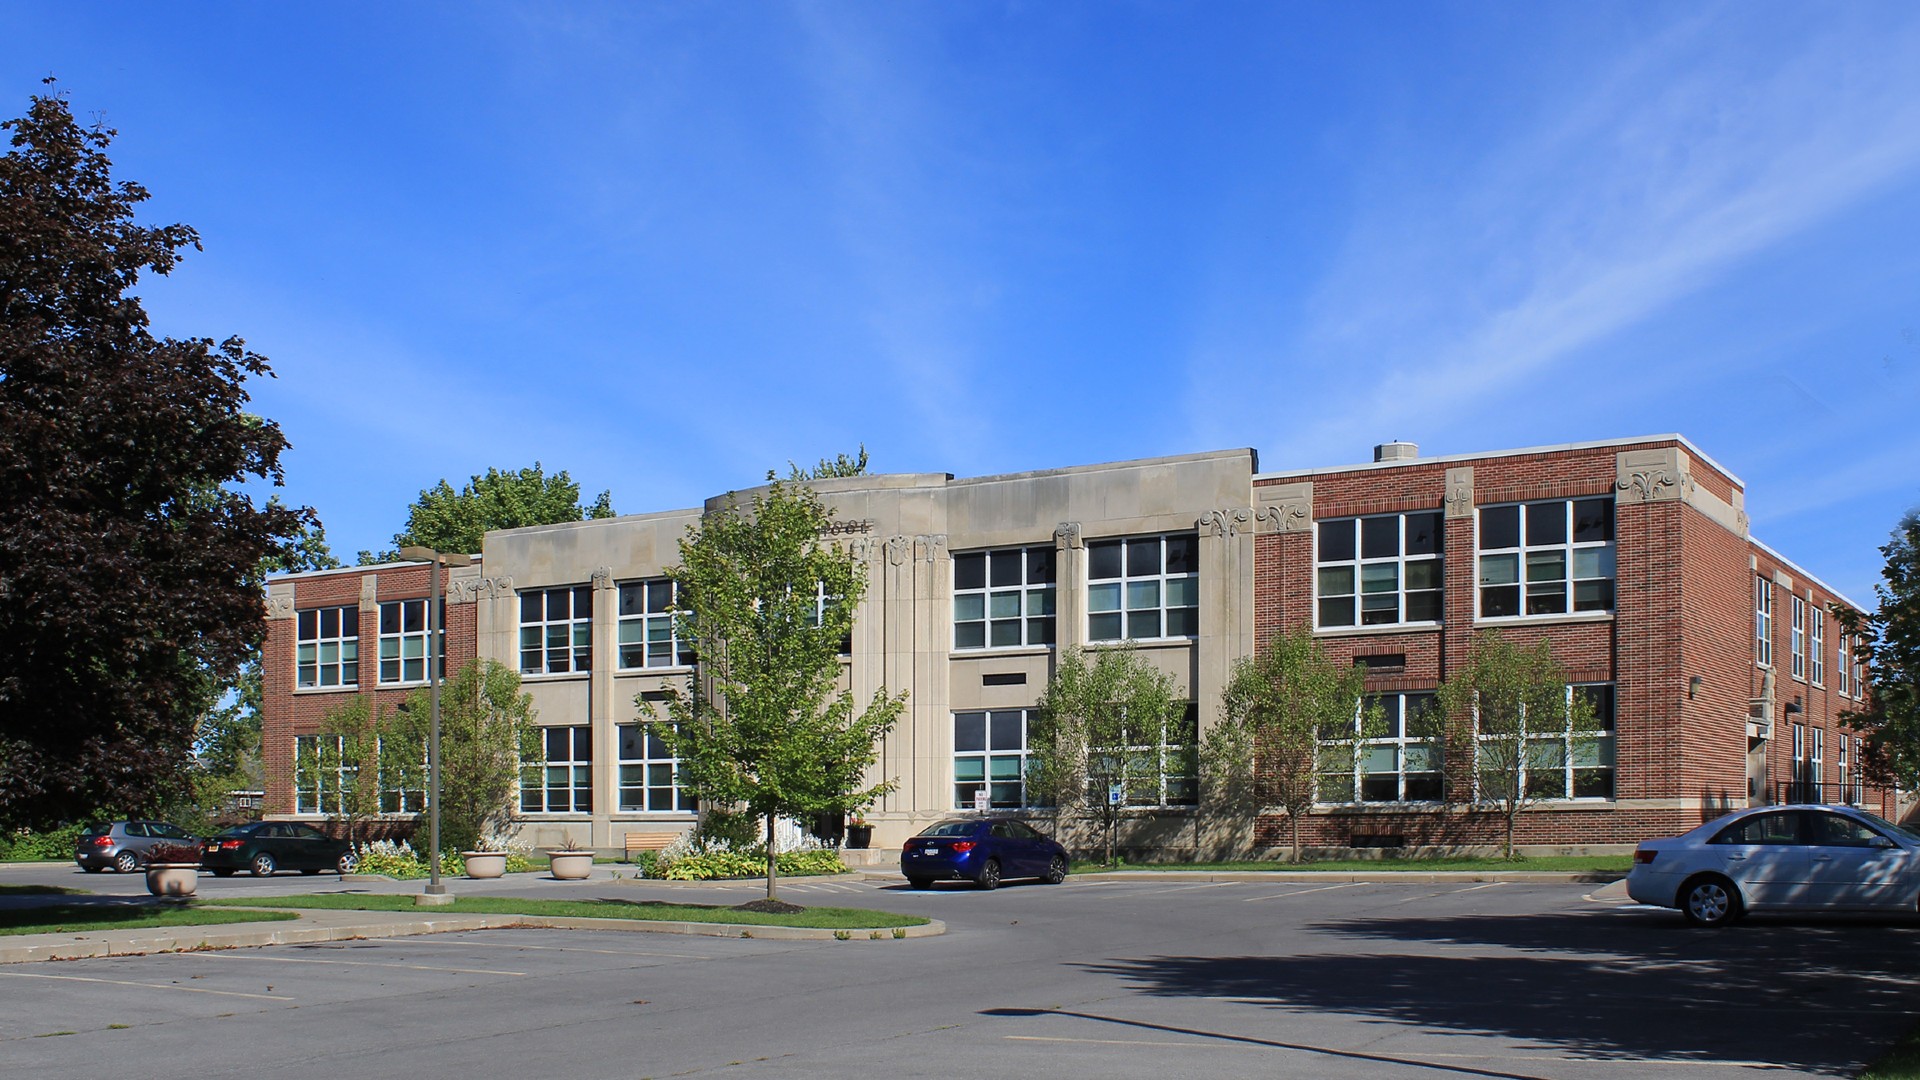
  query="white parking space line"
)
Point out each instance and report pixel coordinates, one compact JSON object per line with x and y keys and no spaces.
{"x":1302,"y":892}
{"x":558,"y":948}
{"x":142,"y":985}
{"x":265,"y":958}
{"x":1186,"y":1044}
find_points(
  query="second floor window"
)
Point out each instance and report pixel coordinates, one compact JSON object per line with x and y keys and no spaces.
{"x":1143,"y":588}
{"x":1375,"y":571}
{"x":1797,"y":638}
{"x":1762,"y":621}
{"x":647,"y":634}
{"x":1817,"y":647}
{"x":403,"y":641}
{"x":327,"y":647}
{"x":1546,"y":558}
{"x":556,"y":630}
{"x":1003,"y":598}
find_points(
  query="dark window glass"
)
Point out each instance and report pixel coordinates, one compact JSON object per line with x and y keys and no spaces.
{"x":633,"y":599}
{"x":1006,"y":732}
{"x":1424,"y":534}
{"x":1600,"y":697}
{"x":530,"y":609}
{"x":582,"y":744}
{"x":631,"y":741}
{"x":309,"y":624}
{"x":1499,"y":527}
{"x":1040,"y":566}
{"x":1379,"y":537}
{"x":390,"y":618}
{"x":1006,"y":568}
{"x":583,"y":602}
{"x":1336,"y":540}
{"x":556,"y":744}
{"x":1500,"y":600}
{"x":970,"y":731}
{"x":1592,"y":520}
{"x":1180,"y":558}
{"x":970,"y":571}
{"x":1103,"y":559}
{"x":413,"y":618}
{"x":1423,"y":606}
{"x":1546,"y":523}
{"x":1778,"y":828}
{"x":1143,"y":557}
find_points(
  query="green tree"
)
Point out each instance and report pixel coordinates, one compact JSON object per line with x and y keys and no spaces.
{"x":838,"y":465}
{"x":1103,"y":724}
{"x":357,"y":752}
{"x":454,"y":521}
{"x":768,"y":607}
{"x":1505,"y":720}
{"x":1886,"y":644}
{"x":129,"y":550}
{"x":488,"y":734}
{"x":1291,"y":728}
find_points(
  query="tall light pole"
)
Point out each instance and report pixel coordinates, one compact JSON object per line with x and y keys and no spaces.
{"x":436,"y":893}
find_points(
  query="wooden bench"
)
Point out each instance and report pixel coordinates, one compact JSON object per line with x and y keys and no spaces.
{"x":648,"y":841}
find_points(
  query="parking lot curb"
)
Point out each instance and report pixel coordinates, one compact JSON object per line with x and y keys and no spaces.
{"x":324,"y":926}
{"x":1412,"y":877}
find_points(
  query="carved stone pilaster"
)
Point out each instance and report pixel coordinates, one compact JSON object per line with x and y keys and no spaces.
{"x":369,"y":590}
{"x":602,"y":578}
{"x":1228,"y":522}
{"x":930,"y":547}
{"x":279,"y":606}
{"x":899,"y":549}
{"x":471,"y":590}
{"x":1459,"y":498}
{"x":1644,"y":476}
{"x":860,"y":549}
{"x":1284,"y":508}
{"x":1068,"y":535}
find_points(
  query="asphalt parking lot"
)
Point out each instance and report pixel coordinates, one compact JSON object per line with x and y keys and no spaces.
{"x":1094,"y":978}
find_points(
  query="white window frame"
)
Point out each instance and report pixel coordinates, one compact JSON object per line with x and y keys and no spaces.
{"x":309,"y":761}
{"x":573,"y":654}
{"x":1568,"y":746}
{"x":1763,"y":620}
{"x":1817,"y":645}
{"x":644,"y":768}
{"x":1582,"y":562}
{"x":1029,"y":606}
{"x":575,"y":770}
{"x":1357,"y":569}
{"x":1797,"y":638}
{"x":640,"y":628}
{"x":1009,"y":753}
{"x":407,"y":647}
{"x":1129,"y":588}
{"x":311,"y":649}
{"x":1401,"y":743}
{"x":1843,"y":663}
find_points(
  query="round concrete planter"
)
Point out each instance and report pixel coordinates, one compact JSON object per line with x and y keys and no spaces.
{"x":485,"y":864}
{"x":570,"y":865}
{"x":173,"y":879}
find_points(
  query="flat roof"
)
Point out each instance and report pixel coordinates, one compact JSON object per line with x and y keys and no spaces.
{"x":1330,"y":470}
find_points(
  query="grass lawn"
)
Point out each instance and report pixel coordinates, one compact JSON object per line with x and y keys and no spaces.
{"x":81,"y":918}
{"x":1559,"y":864}
{"x":39,"y":890}
{"x":1900,"y":1063}
{"x":825,"y":918}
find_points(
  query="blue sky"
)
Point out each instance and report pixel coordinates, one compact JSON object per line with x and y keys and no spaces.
{"x":669,"y":246}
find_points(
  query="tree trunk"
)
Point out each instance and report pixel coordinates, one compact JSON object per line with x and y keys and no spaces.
{"x":1293,"y":819}
{"x":773,"y":860}
{"x":1513,"y":813}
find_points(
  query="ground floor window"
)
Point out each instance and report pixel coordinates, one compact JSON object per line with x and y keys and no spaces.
{"x":990,"y":753}
{"x":564,"y":782}
{"x":1568,"y":763}
{"x":649,"y":773}
{"x":321,"y":775}
{"x":1157,"y":774}
{"x":1401,"y":765}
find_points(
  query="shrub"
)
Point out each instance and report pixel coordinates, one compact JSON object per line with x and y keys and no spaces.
{"x":646,"y":864}
{"x":27,"y":846}
{"x":394,"y":859}
{"x":709,"y":865}
{"x":811,"y":861}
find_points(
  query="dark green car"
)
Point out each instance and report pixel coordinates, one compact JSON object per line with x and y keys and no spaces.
{"x":267,"y":846}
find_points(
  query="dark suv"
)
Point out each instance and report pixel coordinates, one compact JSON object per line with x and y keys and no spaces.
{"x":123,"y":844}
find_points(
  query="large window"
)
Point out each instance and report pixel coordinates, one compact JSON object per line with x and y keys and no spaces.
{"x":990,"y":751}
{"x":1563,"y":762}
{"x":556,"y":630}
{"x":1399,"y":766}
{"x":1763,"y":621}
{"x":327,"y":647}
{"x":1143,"y":588}
{"x":565,"y":782}
{"x":1817,"y":648}
{"x":1797,"y":638}
{"x":1843,"y":663}
{"x":649,"y":774}
{"x":1165,"y":773}
{"x":1375,"y":571}
{"x":647,"y":635}
{"x":1546,"y":558}
{"x":403,"y":641}
{"x":321,"y":775}
{"x":1003,"y":598}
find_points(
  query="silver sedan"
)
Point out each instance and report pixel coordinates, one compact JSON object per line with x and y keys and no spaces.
{"x":1781,"y":858}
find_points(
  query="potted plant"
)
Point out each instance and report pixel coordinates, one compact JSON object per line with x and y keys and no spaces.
{"x":173,"y":869}
{"x":859,"y":833}
{"x":570,"y":861}
{"x":485,"y":864}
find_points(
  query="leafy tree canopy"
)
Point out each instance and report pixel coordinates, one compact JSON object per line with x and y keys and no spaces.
{"x":769,"y":608}
{"x":838,"y":465}
{"x":1887,"y":645}
{"x":454,"y":521}
{"x":130,"y":557}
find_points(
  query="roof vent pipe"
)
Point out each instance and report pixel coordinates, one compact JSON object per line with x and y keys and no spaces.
{"x":1396,"y":451}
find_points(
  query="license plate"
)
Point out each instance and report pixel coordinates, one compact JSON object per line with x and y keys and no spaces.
{"x":931,"y":851}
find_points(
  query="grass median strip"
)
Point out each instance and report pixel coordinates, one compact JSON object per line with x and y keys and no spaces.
{"x":1554,"y":864}
{"x":84,"y":918}
{"x":824,"y":918}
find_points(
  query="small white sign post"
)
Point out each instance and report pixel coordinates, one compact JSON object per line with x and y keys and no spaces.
{"x":1114,"y":794}
{"x":980,"y":800}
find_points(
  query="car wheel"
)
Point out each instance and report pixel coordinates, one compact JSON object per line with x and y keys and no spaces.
{"x":348,"y":863}
{"x":223,"y":871}
{"x":1709,"y":900}
{"x":1056,"y":870}
{"x":989,"y":875}
{"x":919,"y":883}
{"x":263,"y":865}
{"x":126,"y":862}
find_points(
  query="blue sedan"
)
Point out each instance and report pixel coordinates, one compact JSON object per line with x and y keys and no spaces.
{"x":983,"y":852}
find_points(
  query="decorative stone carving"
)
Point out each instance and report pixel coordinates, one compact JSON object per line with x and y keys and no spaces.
{"x":1460,"y":492}
{"x":899,"y":549}
{"x":1068,"y":535}
{"x":1644,"y":476}
{"x":602,"y":578}
{"x":473,"y":589}
{"x":279,"y":607}
{"x":930,"y":547}
{"x":1284,"y":508}
{"x":1228,"y":522}
{"x":860,"y":548}
{"x":369,"y":590}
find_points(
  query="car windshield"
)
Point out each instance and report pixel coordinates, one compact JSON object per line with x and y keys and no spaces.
{"x":951,"y":828}
{"x":1904,"y":830}
{"x":97,"y":830}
